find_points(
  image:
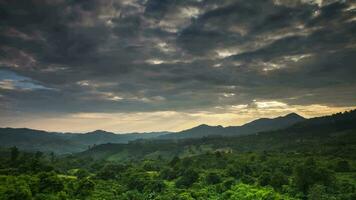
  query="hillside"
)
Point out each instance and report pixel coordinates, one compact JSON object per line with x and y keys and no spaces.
{"x":262,"y":124}
{"x":282,"y":132}
{"x":307,"y":134}
{"x":37,"y":140}
{"x":312,"y":159}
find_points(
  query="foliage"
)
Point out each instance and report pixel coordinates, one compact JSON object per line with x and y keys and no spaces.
{"x":302,"y":162}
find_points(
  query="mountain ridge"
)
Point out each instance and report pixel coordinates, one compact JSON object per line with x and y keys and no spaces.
{"x":261,"y":124}
{"x":297,"y":137}
{"x":62,"y":143}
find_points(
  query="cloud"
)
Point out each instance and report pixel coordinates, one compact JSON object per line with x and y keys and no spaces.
{"x":133,"y":56}
{"x":270,"y":104}
{"x":12,"y":81}
{"x":167,"y":120}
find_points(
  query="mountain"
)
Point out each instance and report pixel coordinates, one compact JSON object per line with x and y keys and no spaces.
{"x":334,"y":134}
{"x":321,"y":125}
{"x":275,"y":123}
{"x":262,"y":124}
{"x":285,"y":130}
{"x":37,"y":140}
{"x":102,"y":137}
{"x":197,"y":132}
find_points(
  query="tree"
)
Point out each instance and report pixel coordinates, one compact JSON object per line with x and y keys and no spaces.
{"x":85,"y":188}
{"x":278,"y":179}
{"x":50,"y":183}
{"x":317,"y":192}
{"x":155,"y":186}
{"x":168,"y":173}
{"x":174,"y":161}
{"x":110,"y":171}
{"x":82,"y":173}
{"x":342,"y":166}
{"x":235,"y":170}
{"x":264,"y":179}
{"x":14,"y":154}
{"x":212,"y":178}
{"x":247,"y":192}
{"x":308,"y":174}
{"x":137,"y":181}
{"x":187,"y":179}
{"x":38,"y":155}
{"x":132,"y":195}
{"x":19,"y":191}
{"x":52,"y":157}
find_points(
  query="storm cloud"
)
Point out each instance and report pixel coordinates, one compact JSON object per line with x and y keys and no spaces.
{"x":66,"y":57}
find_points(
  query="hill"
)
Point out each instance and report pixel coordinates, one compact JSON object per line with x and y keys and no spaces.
{"x":37,"y":140}
{"x":290,"y":131}
{"x":307,"y":134}
{"x":262,"y":124}
{"x":312,"y":158}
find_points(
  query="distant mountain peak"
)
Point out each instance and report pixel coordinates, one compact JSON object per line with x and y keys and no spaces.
{"x":203,"y":125}
{"x":293,"y":115}
{"x":288,"y":119}
{"x":206,"y":126}
{"x":99,"y":132}
{"x":258,"y":125}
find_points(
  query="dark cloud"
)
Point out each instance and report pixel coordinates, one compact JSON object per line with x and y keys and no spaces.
{"x":135,"y":55}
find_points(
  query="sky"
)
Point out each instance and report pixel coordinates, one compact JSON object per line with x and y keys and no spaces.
{"x":154,"y":65}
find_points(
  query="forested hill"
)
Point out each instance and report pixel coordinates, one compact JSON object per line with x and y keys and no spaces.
{"x":262,"y":124}
{"x":36,"y":140}
{"x":335,"y":122}
{"x":309,"y":134}
{"x":311,"y":160}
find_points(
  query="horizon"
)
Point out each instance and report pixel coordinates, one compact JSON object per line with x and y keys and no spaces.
{"x":306,"y":114}
{"x":197,"y":125}
{"x":151,"y":65}
{"x":177,"y":99}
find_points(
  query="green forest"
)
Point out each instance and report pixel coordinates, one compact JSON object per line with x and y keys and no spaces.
{"x":177,"y":99}
{"x":313,"y":160}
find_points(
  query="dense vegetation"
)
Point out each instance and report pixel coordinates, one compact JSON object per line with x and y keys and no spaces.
{"x":215,"y":175}
{"x":300,"y":162}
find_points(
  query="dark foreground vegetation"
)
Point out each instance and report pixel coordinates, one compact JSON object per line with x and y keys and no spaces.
{"x":313,"y":160}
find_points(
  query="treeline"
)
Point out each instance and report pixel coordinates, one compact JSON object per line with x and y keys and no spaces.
{"x":302,"y":162}
{"x":216,"y":175}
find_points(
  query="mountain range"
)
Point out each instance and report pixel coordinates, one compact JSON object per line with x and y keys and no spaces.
{"x":334,"y":134}
{"x":62,"y":143}
{"x":262,"y":124}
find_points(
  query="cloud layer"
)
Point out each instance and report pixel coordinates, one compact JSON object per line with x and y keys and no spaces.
{"x":126,"y":57}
